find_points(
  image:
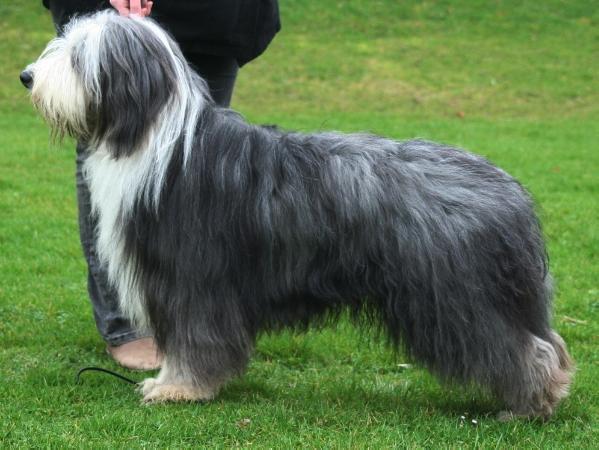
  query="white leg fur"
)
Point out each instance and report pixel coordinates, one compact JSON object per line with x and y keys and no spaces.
{"x":173,"y":386}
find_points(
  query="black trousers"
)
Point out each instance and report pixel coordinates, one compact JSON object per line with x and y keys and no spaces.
{"x":220,"y":72}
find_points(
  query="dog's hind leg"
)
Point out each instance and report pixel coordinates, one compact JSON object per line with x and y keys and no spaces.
{"x":542,"y":378}
{"x":529,"y":371}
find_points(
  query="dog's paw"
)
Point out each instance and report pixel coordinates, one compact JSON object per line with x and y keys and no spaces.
{"x":508,"y":416}
{"x":146,"y":386}
{"x":154,"y":392}
{"x":505,"y":416}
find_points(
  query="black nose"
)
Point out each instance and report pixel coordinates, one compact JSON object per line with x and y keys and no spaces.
{"x":26,"y":78}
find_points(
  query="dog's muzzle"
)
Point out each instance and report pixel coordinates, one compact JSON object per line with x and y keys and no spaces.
{"x":26,"y":78}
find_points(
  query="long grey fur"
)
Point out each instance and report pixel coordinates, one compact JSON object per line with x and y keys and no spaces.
{"x":236,"y":229}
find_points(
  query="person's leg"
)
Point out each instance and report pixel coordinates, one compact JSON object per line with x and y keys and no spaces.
{"x":220,"y":72}
{"x":129,"y":347}
{"x":112,"y":326}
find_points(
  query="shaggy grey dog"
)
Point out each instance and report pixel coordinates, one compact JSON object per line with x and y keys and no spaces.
{"x":214,"y":230}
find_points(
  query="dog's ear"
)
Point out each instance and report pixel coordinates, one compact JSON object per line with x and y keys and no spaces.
{"x":136,"y":81}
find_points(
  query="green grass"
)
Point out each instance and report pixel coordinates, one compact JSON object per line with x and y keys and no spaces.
{"x":515,"y":81}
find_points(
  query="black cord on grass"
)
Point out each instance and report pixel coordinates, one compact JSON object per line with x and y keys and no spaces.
{"x":100,"y":369}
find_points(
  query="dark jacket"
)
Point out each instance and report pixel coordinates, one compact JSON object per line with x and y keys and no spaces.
{"x":239,"y":28}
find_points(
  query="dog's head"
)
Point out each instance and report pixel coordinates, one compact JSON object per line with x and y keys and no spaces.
{"x":109,"y":80}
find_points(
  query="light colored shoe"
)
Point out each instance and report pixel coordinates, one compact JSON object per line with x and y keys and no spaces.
{"x":140,"y":354}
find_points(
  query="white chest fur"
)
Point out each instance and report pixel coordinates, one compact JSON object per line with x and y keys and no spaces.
{"x":115,"y":186}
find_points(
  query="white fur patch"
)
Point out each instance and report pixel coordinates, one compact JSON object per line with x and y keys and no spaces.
{"x":114,"y":186}
{"x":57,"y":92}
{"x":62,"y":93}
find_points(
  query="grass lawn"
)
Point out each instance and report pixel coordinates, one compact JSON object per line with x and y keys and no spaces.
{"x":513,"y":80}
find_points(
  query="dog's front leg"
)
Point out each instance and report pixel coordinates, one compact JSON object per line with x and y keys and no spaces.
{"x":205,"y":338}
{"x":174,"y":384}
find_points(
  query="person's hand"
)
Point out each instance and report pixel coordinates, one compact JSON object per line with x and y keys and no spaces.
{"x":132,"y":7}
